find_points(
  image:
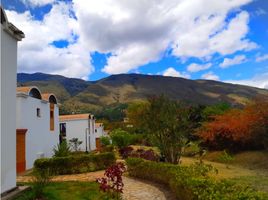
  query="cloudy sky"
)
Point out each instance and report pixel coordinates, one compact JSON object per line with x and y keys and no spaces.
{"x":224,"y":40}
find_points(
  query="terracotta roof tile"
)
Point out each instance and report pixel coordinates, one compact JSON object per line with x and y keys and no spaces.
{"x":98,"y":125}
{"x":74,"y":117}
{"x":24,"y":89}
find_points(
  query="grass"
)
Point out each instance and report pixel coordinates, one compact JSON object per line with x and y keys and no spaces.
{"x":69,"y":191}
{"x":249,"y":168}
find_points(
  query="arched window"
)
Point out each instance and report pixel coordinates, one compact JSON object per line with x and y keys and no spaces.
{"x":52,"y":99}
{"x":35,"y":93}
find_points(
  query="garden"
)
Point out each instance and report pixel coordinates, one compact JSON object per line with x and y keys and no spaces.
{"x":209,"y":152}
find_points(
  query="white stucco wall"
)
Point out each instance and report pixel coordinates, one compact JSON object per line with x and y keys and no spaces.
{"x":39,"y":138}
{"x":8,"y":111}
{"x":76,"y":128}
{"x":100,"y":131}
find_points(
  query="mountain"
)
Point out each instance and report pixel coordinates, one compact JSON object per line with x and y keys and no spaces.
{"x":80,"y":95}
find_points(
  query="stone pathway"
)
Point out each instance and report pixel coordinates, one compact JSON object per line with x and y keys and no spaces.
{"x":134,"y":189}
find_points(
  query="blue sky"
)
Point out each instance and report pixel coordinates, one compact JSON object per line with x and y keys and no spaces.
{"x":195,"y":39}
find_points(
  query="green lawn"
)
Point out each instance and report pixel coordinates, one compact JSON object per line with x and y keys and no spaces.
{"x":69,"y":191}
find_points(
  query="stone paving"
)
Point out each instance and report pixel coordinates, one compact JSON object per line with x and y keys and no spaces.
{"x":134,"y":189}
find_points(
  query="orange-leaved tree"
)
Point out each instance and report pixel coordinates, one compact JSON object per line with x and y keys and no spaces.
{"x":238,"y":129}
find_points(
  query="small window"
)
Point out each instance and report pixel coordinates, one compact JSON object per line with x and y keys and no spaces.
{"x":95,"y":130}
{"x":38,"y":112}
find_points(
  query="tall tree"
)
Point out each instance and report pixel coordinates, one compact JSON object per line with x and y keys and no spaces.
{"x":167,"y":123}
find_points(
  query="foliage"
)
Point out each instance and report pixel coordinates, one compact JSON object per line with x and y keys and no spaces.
{"x":145,"y":154}
{"x":68,"y":191}
{"x":191,"y":182}
{"x":209,"y":112}
{"x":112,"y":183}
{"x":168,"y":124}
{"x":75,"y":164}
{"x":41,"y":178}
{"x":121,"y":138}
{"x":61,"y":150}
{"x":192,"y":148}
{"x":75,"y":143}
{"x":105,"y":141}
{"x":226,"y":158}
{"x":125,"y":151}
{"x":113,"y":113}
{"x":109,"y":148}
{"x":238,"y":129}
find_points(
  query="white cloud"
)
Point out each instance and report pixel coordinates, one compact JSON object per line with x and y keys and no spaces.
{"x":227,"y":62}
{"x":210,"y":76}
{"x":259,"y":80}
{"x":260,"y":11}
{"x":262,"y":58}
{"x":139,"y":32}
{"x":174,"y":73}
{"x":37,"y":3}
{"x":133,"y":32}
{"x":198,"y":67}
{"x":35,"y":52}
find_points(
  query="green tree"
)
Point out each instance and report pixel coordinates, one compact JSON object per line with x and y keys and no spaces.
{"x":121,"y":138}
{"x":211,"y":111}
{"x":168,"y":124}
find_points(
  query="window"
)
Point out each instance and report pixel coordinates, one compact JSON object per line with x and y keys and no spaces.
{"x":95,"y":130}
{"x":52,"y":117}
{"x":38,"y":112}
{"x":62,"y":132}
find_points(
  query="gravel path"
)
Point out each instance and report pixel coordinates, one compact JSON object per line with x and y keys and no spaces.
{"x":135,"y":189}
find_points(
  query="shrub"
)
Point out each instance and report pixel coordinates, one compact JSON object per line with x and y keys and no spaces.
{"x":108,"y":148}
{"x":62,"y":150}
{"x":41,"y":178}
{"x":113,"y":182}
{"x":76,"y":164}
{"x":75,"y":143}
{"x":121,"y":138}
{"x":145,"y":154}
{"x":191,"y":182}
{"x":125,"y":152}
{"x":105,"y":141}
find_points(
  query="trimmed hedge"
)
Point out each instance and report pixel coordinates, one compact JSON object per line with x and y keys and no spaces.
{"x":75,"y":164}
{"x":191,"y":182}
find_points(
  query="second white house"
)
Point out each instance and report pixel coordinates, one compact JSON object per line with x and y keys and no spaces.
{"x":83,"y":127}
{"x":37,"y":126}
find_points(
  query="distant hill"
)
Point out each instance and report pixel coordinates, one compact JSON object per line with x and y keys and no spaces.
{"x":81,"y":96}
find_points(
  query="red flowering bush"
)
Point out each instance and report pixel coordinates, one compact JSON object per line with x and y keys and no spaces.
{"x":145,"y":154}
{"x":112,"y":183}
{"x":125,"y":152}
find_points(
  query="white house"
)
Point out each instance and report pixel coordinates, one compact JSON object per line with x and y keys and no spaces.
{"x":10,"y":35}
{"x":81,"y":126}
{"x":37,"y":126}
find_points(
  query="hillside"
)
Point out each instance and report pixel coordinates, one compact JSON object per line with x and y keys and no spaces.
{"x":82,"y":96}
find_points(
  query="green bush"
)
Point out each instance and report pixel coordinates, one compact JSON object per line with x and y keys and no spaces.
{"x":76,"y":164}
{"x":108,"y":148}
{"x":121,"y":138}
{"x":62,"y":150}
{"x":105,"y":141}
{"x":190,"y":182}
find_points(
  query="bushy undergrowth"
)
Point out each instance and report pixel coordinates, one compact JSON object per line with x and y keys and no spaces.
{"x":75,"y":164}
{"x":191,"y":182}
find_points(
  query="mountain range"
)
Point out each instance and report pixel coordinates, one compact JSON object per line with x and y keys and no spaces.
{"x":77,"y":95}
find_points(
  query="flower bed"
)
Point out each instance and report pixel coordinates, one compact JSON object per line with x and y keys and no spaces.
{"x":190,"y":182}
{"x":75,"y":164}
